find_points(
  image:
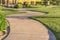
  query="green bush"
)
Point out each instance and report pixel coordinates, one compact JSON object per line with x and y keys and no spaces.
{"x":3,"y":22}
{"x":38,"y":3}
{"x":25,"y":4}
{"x":19,"y":5}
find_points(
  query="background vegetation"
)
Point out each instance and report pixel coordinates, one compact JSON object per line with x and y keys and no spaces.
{"x":3,"y":21}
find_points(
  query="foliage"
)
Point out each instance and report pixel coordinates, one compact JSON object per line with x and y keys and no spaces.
{"x":3,"y":21}
{"x":26,"y":4}
{"x":51,"y":2}
{"x":19,"y":5}
{"x":55,"y":2}
{"x":39,"y":3}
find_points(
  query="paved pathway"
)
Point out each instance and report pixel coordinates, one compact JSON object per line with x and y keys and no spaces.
{"x":23,"y":28}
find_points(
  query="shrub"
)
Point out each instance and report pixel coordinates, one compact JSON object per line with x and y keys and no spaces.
{"x":3,"y":22}
{"x":25,"y":4}
{"x":19,"y":5}
{"x":38,"y":3}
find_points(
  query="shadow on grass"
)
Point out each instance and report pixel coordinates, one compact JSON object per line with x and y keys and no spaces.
{"x":38,"y":11}
{"x":45,"y":17}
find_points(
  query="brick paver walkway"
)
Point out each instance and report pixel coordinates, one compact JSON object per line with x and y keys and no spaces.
{"x":23,"y":28}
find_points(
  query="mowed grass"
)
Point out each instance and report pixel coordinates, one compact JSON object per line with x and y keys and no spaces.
{"x":8,"y":11}
{"x":51,"y":18}
{"x":51,"y":11}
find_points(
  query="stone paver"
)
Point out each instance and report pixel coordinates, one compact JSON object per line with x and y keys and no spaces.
{"x":23,"y":28}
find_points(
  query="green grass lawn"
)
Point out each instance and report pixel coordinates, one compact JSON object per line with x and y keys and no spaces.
{"x":8,"y":11}
{"x":50,"y":11}
{"x":51,"y":18}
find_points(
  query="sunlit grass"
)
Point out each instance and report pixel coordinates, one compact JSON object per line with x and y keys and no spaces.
{"x":50,"y":11}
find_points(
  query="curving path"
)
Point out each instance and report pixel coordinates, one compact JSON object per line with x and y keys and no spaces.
{"x":23,"y":28}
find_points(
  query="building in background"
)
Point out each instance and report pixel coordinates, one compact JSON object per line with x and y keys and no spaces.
{"x":18,"y":1}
